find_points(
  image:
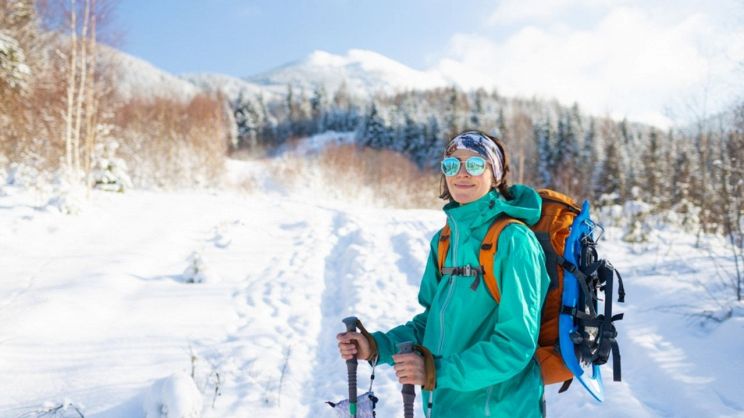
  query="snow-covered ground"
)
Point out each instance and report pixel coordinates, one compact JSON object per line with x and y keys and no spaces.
{"x":110,"y":311}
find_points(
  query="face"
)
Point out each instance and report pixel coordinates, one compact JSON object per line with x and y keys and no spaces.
{"x":465,"y":188}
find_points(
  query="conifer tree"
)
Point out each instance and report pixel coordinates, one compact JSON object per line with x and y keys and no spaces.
{"x":317,"y":109}
{"x":628,"y":152}
{"x":374,"y":133}
{"x":565,"y":155}
{"x":588,"y":160}
{"x":610,"y":179}
{"x":545,"y":155}
{"x":651,"y":159}
{"x":413,"y":138}
{"x":433,"y":140}
{"x":247,"y":121}
{"x":477,"y":110}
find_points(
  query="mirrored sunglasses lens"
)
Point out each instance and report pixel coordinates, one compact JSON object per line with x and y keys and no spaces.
{"x":450,"y":166}
{"x":475,"y":166}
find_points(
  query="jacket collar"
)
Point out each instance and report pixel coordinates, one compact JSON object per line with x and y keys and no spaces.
{"x":477,"y":212}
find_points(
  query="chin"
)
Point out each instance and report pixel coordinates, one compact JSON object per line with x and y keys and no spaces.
{"x":463,"y":199}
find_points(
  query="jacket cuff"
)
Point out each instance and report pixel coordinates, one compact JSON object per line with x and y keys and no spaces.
{"x":429,"y":367}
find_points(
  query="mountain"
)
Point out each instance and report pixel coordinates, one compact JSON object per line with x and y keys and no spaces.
{"x":137,"y":78}
{"x":364,"y":72}
{"x":232,"y":87}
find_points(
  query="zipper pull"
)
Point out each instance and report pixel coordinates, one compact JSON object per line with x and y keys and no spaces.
{"x":475,"y":284}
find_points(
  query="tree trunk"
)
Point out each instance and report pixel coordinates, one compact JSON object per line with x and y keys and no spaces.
{"x":71,"y":85}
{"x":81,"y":89}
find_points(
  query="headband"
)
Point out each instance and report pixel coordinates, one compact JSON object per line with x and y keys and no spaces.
{"x":481,"y":144}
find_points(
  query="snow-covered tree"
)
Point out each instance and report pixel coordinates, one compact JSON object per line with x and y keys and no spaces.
{"x":374,"y":133}
{"x":109,"y":172}
{"x":14,"y":72}
{"x":248,"y":120}
{"x":544,"y":137}
{"x":610,"y":178}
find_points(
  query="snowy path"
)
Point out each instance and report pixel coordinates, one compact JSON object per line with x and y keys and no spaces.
{"x":94,"y":308}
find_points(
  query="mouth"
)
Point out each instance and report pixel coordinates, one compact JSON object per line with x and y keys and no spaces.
{"x":464,"y":186}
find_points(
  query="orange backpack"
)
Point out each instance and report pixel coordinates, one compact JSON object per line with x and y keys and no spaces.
{"x":552,"y":230}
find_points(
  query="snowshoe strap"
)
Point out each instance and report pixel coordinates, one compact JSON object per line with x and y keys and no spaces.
{"x":582,"y":279}
{"x":565,"y":385}
{"x":620,"y":288}
{"x":607,"y":331}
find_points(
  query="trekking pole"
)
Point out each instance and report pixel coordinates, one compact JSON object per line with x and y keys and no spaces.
{"x":408,"y":391}
{"x":351,"y":367}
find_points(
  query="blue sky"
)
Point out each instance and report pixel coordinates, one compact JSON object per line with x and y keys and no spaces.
{"x":657,"y":61}
{"x":243,"y":38}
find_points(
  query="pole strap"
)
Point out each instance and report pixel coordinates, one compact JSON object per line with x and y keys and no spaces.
{"x":431,"y":370}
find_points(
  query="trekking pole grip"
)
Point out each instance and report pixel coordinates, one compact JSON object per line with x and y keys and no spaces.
{"x":408,"y":391}
{"x":351,"y":368}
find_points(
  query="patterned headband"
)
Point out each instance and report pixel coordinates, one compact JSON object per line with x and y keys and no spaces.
{"x":486,"y":148}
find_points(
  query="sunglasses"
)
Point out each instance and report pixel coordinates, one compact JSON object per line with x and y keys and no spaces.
{"x":475,"y":166}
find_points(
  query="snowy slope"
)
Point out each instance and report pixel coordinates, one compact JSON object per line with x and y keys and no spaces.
{"x":232,"y":87}
{"x":137,"y":78}
{"x":95,"y":308}
{"x":365,"y":73}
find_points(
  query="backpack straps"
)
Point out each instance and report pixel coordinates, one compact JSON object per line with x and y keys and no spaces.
{"x":443,"y":247}
{"x":488,"y":252}
{"x":488,"y":249}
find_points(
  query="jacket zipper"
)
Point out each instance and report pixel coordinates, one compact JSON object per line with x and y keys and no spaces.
{"x":454,"y":239}
{"x":441,"y":314}
{"x":488,"y":401}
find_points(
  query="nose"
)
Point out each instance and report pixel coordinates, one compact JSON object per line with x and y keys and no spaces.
{"x":462,"y":172}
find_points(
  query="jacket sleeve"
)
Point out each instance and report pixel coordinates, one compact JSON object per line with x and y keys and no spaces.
{"x":414,"y":329}
{"x":523,"y":281}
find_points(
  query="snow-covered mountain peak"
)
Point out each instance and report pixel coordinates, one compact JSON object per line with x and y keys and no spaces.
{"x":324,"y":58}
{"x":371,"y":60}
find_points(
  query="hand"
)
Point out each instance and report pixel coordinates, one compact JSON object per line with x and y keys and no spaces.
{"x":410,"y":369}
{"x":353,"y":344}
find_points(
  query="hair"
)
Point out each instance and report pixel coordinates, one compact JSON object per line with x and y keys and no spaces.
{"x":503,"y":185}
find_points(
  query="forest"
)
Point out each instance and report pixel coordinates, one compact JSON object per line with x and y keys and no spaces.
{"x":62,"y":120}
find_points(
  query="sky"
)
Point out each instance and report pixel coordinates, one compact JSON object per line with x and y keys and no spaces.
{"x":657,"y":61}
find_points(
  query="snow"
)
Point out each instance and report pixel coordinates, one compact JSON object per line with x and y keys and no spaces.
{"x":136,"y":78}
{"x":316,"y":143}
{"x":97,"y":311}
{"x":232,"y":87}
{"x":174,"y":396}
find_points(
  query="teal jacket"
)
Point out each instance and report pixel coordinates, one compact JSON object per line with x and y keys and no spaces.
{"x":483,"y":351}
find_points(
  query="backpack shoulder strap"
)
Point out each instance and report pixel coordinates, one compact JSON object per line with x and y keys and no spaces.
{"x":443,"y":247}
{"x":488,"y":252}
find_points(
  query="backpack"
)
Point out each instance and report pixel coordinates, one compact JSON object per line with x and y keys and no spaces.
{"x":575,"y":339}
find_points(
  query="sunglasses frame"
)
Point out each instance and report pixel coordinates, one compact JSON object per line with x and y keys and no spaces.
{"x":465,"y":163}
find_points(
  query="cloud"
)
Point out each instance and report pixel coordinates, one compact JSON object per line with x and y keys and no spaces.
{"x":631,"y":61}
{"x":514,"y":11}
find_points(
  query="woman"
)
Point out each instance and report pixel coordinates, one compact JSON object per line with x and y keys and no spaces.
{"x":478,"y":353}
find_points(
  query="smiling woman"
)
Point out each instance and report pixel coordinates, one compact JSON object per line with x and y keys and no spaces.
{"x":485,"y":167}
{"x":476,"y":350}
